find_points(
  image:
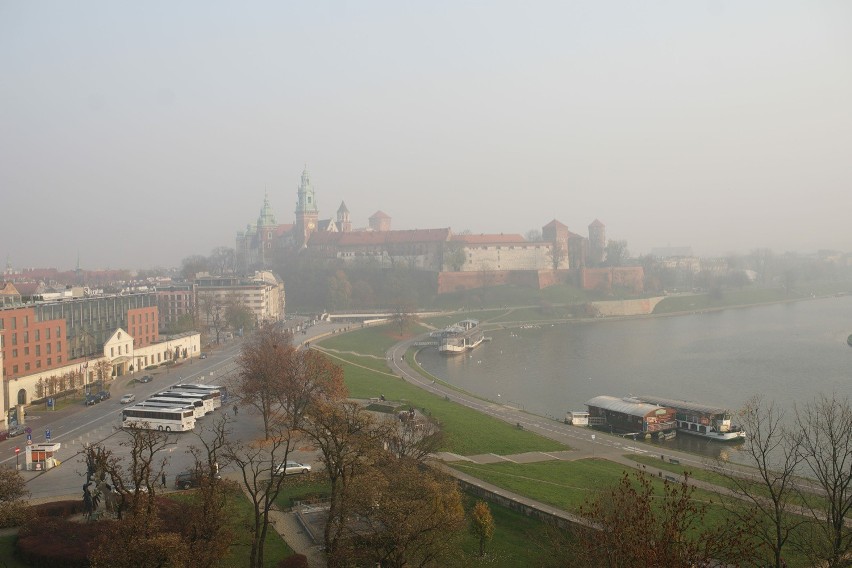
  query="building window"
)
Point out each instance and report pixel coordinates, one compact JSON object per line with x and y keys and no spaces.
{"x":38,"y":350}
{"x":47,"y":333}
{"x":48,"y":360}
{"x":14,"y":338}
{"x":36,"y":335}
{"x":48,"y":345}
{"x":26,"y":337}
{"x":14,"y":352}
{"x":59,"y":347}
{"x":26,"y":366}
{"x":14,"y":323}
{"x":112,"y":351}
{"x":14,"y":369}
{"x":38,"y":363}
{"x":26,"y":350}
{"x":58,"y":359}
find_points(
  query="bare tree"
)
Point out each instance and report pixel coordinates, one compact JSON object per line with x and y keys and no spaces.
{"x":283,"y":384}
{"x":206,"y":531}
{"x":350,"y":441}
{"x":405,"y":515}
{"x":257,"y":464}
{"x":775,"y":453}
{"x":557,"y":253}
{"x":414,"y":438}
{"x":826,"y":448}
{"x":634,"y":525}
{"x":132,"y":486}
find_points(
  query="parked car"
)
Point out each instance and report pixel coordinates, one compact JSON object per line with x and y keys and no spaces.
{"x":127,"y":398}
{"x":145,"y":379}
{"x":103,"y":395}
{"x":204,"y":355}
{"x":186,"y":480}
{"x":292,"y":467}
{"x":16,"y":431}
{"x":92,"y":399}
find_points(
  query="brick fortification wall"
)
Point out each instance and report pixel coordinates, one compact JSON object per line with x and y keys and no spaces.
{"x":459,"y":281}
{"x":632,"y":277}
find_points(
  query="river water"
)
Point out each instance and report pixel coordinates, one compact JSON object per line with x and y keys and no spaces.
{"x":786,"y":352}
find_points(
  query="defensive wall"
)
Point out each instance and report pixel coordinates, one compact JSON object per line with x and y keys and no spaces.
{"x":640,"y":307}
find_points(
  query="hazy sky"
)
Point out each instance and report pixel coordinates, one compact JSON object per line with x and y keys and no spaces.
{"x":138,"y":133}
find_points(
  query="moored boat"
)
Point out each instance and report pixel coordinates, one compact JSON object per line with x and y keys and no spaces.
{"x":460,"y":337}
{"x":708,"y":422}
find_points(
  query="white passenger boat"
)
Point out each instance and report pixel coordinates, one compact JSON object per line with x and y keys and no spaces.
{"x":708,"y":422}
{"x":460,"y":337}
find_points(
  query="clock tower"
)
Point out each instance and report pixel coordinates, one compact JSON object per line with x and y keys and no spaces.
{"x":306,"y":210}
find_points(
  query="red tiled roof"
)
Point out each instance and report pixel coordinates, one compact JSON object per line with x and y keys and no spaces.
{"x":366,"y":238}
{"x":596,"y":223}
{"x":489,"y":239}
{"x":555,"y":223}
{"x":380,"y":215}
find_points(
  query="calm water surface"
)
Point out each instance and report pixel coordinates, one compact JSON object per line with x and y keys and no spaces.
{"x":787,"y":352}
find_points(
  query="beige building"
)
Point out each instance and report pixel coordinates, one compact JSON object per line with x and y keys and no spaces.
{"x":118,"y":351}
{"x":499,"y":252}
{"x":262,"y":293}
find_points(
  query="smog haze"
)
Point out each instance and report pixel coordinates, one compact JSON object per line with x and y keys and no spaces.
{"x":136,"y":134}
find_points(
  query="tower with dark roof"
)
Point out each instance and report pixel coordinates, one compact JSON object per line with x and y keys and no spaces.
{"x":344,"y":224}
{"x":597,"y":242}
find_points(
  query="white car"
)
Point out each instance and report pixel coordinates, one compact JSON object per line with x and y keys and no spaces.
{"x":127,"y":398}
{"x":291,"y":468}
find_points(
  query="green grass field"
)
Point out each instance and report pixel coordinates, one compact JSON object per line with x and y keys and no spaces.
{"x":374,"y":340}
{"x":467,"y":432}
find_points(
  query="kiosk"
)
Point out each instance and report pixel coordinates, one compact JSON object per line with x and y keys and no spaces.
{"x":39,"y":457}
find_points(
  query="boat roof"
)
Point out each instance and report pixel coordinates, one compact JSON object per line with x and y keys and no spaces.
{"x":630,"y":406}
{"x":684,"y":405}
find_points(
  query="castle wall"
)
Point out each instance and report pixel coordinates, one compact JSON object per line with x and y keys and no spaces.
{"x":460,"y":281}
{"x":526,"y":256}
{"x":632,"y":277}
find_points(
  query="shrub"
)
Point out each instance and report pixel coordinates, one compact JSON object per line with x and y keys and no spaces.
{"x":294,"y":561}
{"x":46,"y":542}
{"x":61,"y":509}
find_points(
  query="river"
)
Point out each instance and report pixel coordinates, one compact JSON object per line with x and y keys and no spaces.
{"x":788,"y":353}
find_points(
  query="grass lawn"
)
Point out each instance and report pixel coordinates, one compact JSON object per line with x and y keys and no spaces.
{"x":467,"y":432}
{"x":374,"y":340}
{"x":513,"y":543}
{"x":301,"y":488}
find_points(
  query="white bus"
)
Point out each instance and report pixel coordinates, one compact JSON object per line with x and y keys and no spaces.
{"x":202,"y":406}
{"x":220,"y":394}
{"x":197,"y":411}
{"x":164,"y":419}
{"x":210,"y":399}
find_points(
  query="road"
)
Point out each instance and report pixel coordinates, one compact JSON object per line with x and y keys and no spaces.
{"x":75,"y":427}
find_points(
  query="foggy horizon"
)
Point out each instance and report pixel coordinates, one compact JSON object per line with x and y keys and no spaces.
{"x":136,"y":135}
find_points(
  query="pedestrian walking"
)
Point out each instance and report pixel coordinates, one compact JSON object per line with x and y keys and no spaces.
{"x":236,"y":408}
{"x":163,"y":480}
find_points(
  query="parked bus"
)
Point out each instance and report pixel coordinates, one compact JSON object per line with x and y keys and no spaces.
{"x":220,"y":394}
{"x":207,"y":399}
{"x":164,"y":419}
{"x":213,"y":398}
{"x":202,"y":406}
{"x":158,"y":403}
